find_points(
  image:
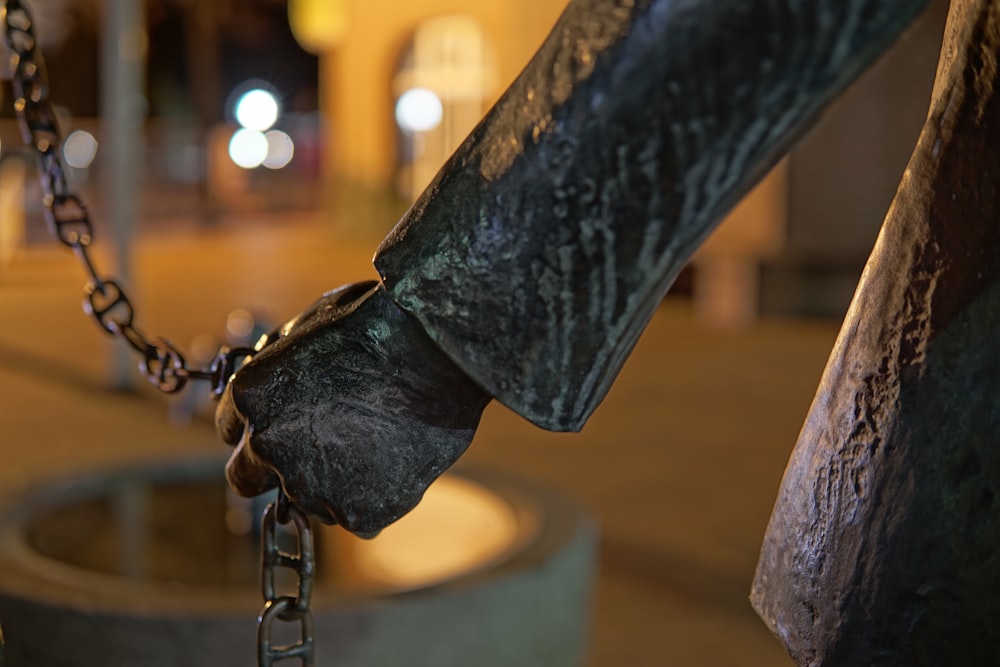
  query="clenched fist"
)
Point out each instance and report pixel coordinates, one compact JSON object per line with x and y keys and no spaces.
{"x":351,"y":408}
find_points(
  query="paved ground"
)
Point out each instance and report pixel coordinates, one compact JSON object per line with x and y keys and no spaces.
{"x":680,"y":464}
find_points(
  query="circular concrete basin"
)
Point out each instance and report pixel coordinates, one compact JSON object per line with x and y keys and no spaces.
{"x":159,"y":565}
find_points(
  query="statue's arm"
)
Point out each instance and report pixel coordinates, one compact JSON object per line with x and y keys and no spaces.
{"x":542,"y":248}
{"x":531,"y":264}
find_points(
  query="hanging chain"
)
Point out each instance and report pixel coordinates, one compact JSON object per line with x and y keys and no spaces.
{"x":69,"y":220}
{"x":162,"y":364}
{"x":285,"y":608}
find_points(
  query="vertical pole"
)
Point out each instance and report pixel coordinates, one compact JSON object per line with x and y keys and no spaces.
{"x":123,"y":109}
{"x":204,"y":76}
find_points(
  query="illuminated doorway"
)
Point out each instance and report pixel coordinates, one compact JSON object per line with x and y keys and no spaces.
{"x":446,"y":77}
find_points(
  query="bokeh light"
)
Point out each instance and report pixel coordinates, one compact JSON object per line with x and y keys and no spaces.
{"x":280,"y":149}
{"x":418,"y":110}
{"x":248,"y":148}
{"x":239,"y":326}
{"x":79,"y":149}
{"x":257,"y":109}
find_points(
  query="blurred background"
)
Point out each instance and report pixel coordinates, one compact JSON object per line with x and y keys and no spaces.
{"x":243,"y":157}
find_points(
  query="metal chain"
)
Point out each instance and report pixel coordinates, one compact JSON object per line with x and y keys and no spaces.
{"x":162,"y":364}
{"x":285,"y":608}
{"x":69,"y":220}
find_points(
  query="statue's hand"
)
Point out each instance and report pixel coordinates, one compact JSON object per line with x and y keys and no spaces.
{"x":351,"y":408}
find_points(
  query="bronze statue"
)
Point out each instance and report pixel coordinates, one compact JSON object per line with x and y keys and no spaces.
{"x":531,"y":264}
{"x":884,"y":544}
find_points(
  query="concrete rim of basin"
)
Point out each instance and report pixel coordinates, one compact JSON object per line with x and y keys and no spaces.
{"x":546,"y":571}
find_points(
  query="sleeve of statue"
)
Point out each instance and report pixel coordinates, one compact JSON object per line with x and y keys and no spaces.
{"x":882,"y":548}
{"x":542,"y":248}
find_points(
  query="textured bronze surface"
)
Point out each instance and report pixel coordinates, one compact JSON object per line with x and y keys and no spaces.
{"x":537,"y":256}
{"x":884,"y":544}
{"x":531,"y":264}
{"x":348,"y":407}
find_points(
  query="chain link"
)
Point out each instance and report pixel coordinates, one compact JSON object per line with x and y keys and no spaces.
{"x":163,"y":365}
{"x":284,"y":607}
{"x":69,"y":220}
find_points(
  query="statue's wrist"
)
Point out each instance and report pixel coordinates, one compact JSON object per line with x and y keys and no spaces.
{"x":430,"y":371}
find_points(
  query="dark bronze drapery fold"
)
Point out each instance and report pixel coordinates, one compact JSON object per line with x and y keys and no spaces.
{"x":884,"y":544}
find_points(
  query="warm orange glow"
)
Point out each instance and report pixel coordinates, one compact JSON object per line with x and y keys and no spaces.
{"x":318,"y":25}
{"x":459,"y":526}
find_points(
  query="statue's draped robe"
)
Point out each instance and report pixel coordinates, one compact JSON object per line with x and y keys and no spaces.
{"x":884,"y":544}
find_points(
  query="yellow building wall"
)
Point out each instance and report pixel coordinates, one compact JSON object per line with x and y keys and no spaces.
{"x":356,"y":77}
{"x":358,"y":101}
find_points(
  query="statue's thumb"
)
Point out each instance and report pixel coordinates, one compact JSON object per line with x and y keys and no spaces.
{"x":229,"y":423}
